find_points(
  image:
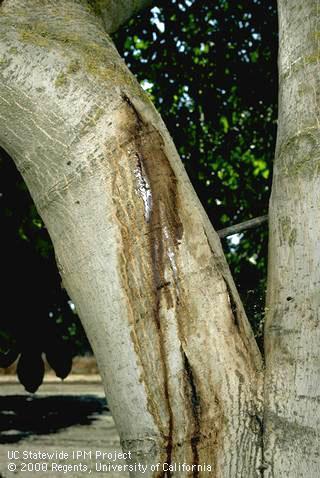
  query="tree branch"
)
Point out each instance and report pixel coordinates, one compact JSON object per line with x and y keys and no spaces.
{"x":117,"y":12}
{"x":243,"y":226}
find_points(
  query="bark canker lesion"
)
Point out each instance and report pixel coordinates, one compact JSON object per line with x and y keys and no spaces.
{"x":153,"y":241}
{"x":156,"y":185}
{"x":148,"y":212}
{"x":150,"y":216}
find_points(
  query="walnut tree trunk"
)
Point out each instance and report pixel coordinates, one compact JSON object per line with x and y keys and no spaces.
{"x":134,"y":247}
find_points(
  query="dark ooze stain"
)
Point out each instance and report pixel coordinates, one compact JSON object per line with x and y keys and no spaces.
{"x":147,"y":150}
{"x":142,"y":146}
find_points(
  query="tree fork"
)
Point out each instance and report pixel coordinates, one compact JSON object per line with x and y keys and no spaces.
{"x":134,"y":247}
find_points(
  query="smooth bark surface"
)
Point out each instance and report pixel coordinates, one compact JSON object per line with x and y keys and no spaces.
{"x":116,"y":12}
{"x":292,"y":334}
{"x":134,"y":247}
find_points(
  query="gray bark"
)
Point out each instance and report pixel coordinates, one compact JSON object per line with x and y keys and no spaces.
{"x":115,"y":13}
{"x":134,"y":247}
{"x":292,"y":334}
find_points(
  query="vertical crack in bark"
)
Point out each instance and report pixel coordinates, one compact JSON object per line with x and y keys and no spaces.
{"x":134,"y":110}
{"x":233,"y":306}
{"x":195,"y":408}
{"x":263,"y":465}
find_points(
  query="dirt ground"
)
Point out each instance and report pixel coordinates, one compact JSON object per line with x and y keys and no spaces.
{"x":70,"y":417}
